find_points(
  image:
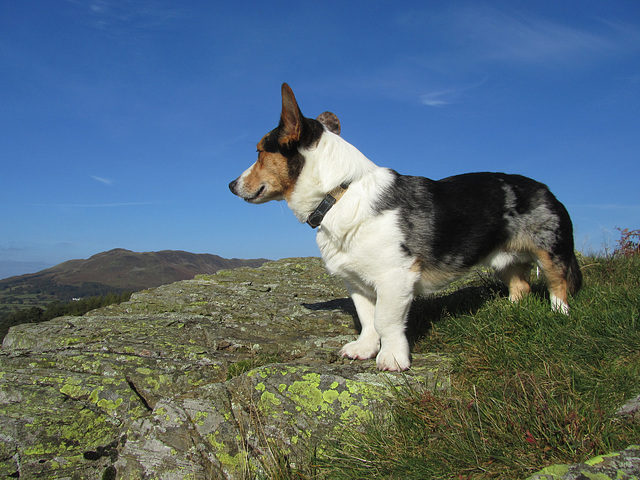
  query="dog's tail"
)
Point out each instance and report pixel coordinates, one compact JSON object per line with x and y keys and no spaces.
{"x":574,"y":275}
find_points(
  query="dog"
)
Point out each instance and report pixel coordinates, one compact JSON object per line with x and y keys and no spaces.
{"x":391,"y":237}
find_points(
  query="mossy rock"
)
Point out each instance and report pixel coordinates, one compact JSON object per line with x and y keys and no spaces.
{"x":181,"y":379}
{"x":206,"y":378}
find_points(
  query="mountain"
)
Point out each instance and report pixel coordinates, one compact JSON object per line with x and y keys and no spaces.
{"x":124,"y":269}
{"x":117,"y":270}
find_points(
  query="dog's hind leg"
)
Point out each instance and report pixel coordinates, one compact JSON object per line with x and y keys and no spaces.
{"x":516,"y":277}
{"x":555,"y":273}
{"x":368,"y":343}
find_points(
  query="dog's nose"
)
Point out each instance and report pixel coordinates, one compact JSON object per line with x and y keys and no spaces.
{"x":232,"y":186}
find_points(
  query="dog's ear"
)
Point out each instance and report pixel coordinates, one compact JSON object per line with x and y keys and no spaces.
{"x":330,"y":120}
{"x":291,"y":117}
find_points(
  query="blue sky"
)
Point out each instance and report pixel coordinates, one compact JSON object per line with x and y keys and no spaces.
{"x":124,"y":121}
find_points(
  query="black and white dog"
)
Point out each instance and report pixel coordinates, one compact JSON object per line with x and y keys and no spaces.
{"x":391,"y":236}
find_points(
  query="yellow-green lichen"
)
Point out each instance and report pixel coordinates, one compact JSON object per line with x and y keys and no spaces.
{"x":94,"y":396}
{"x":232,"y":462}
{"x":308,"y":396}
{"x":61,"y":440}
{"x":595,"y":476}
{"x":268,"y":398}
{"x":600,"y":459}
{"x":555,"y":471}
{"x":330,"y":396}
{"x":199,"y":418}
{"x":109,"y":404}
{"x":71,"y":390}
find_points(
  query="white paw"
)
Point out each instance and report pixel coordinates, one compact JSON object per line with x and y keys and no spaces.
{"x":360,"y":350}
{"x":388,"y":360}
{"x":558,"y":305}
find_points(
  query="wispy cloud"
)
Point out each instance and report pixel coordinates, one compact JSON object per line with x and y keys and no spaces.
{"x":475,"y":38}
{"x":439,"y":98}
{"x":105,"y":181}
{"x":118,"y":16}
{"x":517,"y":36}
{"x":477,"y":33}
{"x":464,"y":41}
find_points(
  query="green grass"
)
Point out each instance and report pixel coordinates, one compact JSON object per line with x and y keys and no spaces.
{"x":246,"y":365}
{"x":531,"y":388}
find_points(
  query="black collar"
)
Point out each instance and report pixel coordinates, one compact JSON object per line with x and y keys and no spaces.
{"x":316,"y":217}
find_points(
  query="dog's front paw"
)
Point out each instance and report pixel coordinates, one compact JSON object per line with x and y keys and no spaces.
{"x":390,"y":361}
{"x":360,"y":350}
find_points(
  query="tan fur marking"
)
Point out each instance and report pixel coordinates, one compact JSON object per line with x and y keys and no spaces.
{"x":433,"y":279}
{"x":417,"y":266}
{"x":517,"y":279}
{"x":555,"y":275}
{"x":271,"y":170}
{"x":520,"y":244}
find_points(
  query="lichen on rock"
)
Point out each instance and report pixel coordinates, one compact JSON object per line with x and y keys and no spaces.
{"x":197,"y":379}
{"x":204,"y":379}
{"x":623,"y":465}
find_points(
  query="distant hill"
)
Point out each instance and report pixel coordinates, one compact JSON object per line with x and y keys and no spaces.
{"x":117,"y":270}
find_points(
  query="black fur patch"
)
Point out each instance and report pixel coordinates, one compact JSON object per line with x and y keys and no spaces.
{"x":457,"y":221}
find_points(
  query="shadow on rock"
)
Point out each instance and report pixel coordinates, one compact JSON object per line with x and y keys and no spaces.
{"x":427,"y":310}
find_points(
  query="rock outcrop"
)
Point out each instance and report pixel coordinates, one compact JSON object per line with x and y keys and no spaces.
{"x":224,"y":376}
{"x":213,"y":377}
